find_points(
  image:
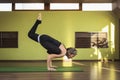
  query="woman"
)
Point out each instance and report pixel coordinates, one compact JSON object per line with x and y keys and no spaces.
{"x":55,"y":48}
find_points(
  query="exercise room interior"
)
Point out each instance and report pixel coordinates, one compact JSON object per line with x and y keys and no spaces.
{"x":83,"y":30}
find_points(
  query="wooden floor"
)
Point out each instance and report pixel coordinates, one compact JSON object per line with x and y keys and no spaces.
{"x":93,"y":70}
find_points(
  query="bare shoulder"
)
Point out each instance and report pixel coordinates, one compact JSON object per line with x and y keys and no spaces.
{"x":63,"y":49}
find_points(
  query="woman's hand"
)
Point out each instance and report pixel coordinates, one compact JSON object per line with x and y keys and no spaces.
{"x":54,"y":67}
{"x":51,"y":69}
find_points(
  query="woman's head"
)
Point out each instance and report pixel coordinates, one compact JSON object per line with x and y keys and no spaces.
{"x":71,"y":52}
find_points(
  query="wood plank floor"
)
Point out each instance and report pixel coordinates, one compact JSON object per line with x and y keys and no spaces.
{"x":93,"y":70}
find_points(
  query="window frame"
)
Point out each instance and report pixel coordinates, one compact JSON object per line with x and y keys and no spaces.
{"x":8,"y":39}
{"x":91,"y":40}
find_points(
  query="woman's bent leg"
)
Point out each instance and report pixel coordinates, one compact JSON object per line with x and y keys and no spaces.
{"x":32,"y":34}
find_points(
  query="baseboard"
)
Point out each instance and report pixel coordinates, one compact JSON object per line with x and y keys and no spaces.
{"x":53,"y":60}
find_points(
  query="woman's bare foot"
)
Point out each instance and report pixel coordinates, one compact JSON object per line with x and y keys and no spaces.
{"x":39,"y":17}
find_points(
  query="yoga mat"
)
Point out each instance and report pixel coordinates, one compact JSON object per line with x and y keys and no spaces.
{"x":39,"y":69}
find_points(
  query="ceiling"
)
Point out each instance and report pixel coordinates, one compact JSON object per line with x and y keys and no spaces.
{"x":116,"y":2}
{"x":59,"y":1}
{"x":85,"y":1}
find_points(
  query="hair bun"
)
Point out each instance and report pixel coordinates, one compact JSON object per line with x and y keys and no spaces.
{"x":72,"y":50}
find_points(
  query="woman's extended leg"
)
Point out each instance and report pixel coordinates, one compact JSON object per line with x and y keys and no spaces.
{"x":31,"y":33}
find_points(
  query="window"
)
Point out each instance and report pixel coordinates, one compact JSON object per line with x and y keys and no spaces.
{"x":91,"y":39}
{"x":29,"y":6}
{"x":97,"y":7}
{"x":5,"y":6}
{"x":64,"y":6}
{"x":8,"y":39}
{"x":56,"y":6}
{"x":82,"y":40}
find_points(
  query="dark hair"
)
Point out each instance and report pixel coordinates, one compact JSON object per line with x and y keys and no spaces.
{"x":71,"y":51}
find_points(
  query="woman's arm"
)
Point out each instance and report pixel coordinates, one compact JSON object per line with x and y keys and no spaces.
{"x":52,"y":56}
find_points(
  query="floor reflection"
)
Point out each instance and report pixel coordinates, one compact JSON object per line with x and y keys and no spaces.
{"x":68,"y":75}
{"x":100,"y":71}
{"x":96,"y":70}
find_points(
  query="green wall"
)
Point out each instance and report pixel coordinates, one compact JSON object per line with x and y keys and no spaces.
{"x":62,"y":25}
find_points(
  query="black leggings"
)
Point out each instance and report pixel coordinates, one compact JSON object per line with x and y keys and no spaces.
{"x":32,"y":34}
{"x":49,"y":43}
